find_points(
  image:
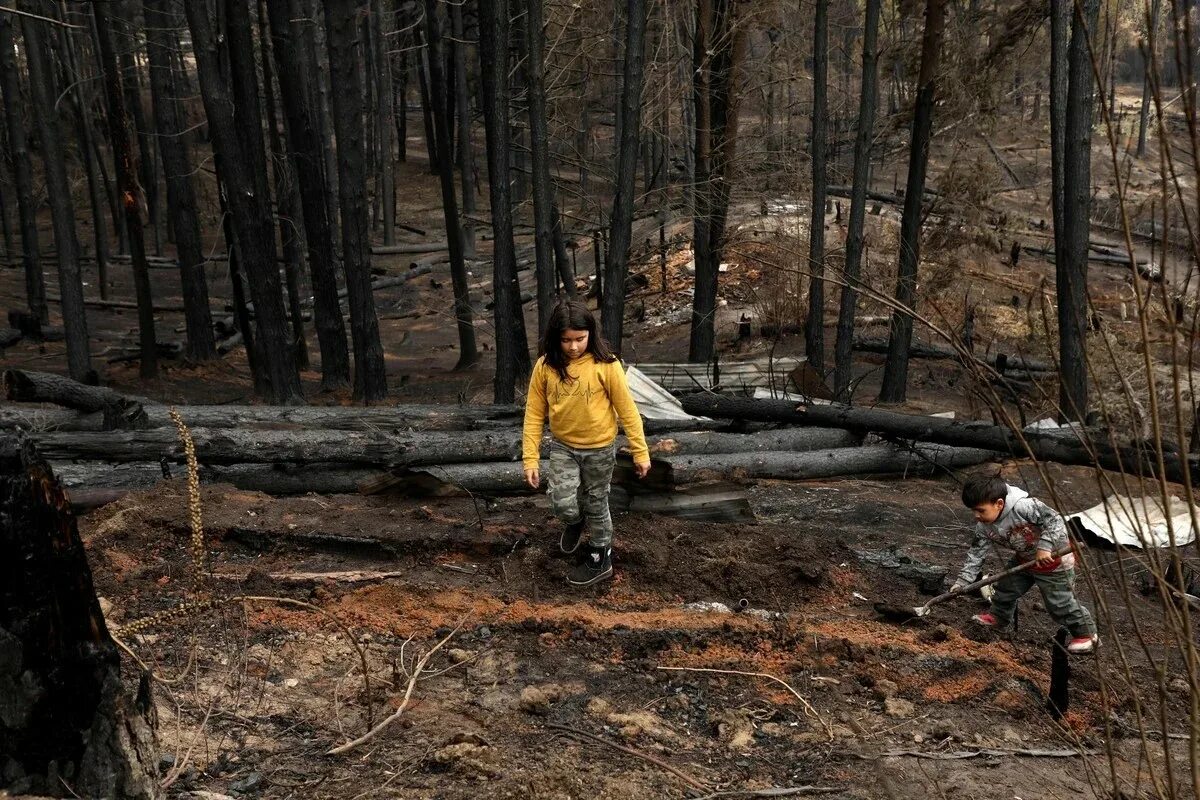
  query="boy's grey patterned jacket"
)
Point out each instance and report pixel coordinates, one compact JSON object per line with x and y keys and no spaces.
{"x":1025,"y":525}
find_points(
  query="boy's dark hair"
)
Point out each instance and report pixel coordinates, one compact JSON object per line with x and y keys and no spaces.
{"x":575,"y":316}
{"x":984,"y":489}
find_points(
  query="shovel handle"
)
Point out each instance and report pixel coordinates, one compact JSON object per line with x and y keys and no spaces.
{"x":989,"y":580}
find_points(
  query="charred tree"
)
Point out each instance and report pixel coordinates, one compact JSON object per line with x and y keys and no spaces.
{"x":814,"y":328}
{"x":895,"y":371}
{"x":301,"y":121}
{"x":127,"y":182}
{"x":10,"y":85}
{"x":147,"y":174}
{"x":382,"y":12}
{"x":616,"y":268}
{"x":466,"y":154}
{"x":81,"y":102}
{"x":539,"y":142}
{"x":1060,"y":37}
{"x":422,"y":66}
{"x":10,"y":236}
{"x":69,"y":721}
{"x":42,"y":94}
{"x":861,"y":181}
{"x":250,"y":215}
{"x":402,"y":107}
{"x":291,"y":220}
{"x":468,"y":352}
{"x":512,"y":353}
{"x":341,"y":16}
{"x":1149,"y":53}
{"x":1071,"y":262}
{"x":175,"y":152}
{"x":717,"y":50}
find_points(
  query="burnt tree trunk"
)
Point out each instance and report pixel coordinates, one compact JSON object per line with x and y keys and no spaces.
{"x":717,"y":49}
{"x":304,"y":145}
{"x":10,"y":86}
{"x":539,"y":142}
{"x":1060,"y":36}
{"x":1149,"y":54}
{"x":466,"y":153}
{"x":616,"y":268}
{"x":512,"y":353}
{"x":426,"y":104}
{"x":895,"y":371}
{"x":127,"y":182}
{"x":81,"y":102}
{"x":1071,"y":263}
{"x":382,"y":11}
{"x":249,"y":214}
{"x":402,"y":107}
{"x":468,"y":352}
{"x":10,"y":237}
{"x":341,"y":16}
{"x":814,"y":328}
{"x":861,"y":181}
{"x":69,"y":724}
{"x":177,"y":171}
{"x":291,"y":220}
{"x":42,"y":94}
{"x":147,"y":174}
{"x":237,"y":283}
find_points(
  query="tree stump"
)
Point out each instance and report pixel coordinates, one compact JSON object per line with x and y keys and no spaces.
{"x":67,"y":727}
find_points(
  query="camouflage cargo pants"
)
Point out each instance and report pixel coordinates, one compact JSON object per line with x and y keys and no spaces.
{"x":577,"y":484}
{"x":1058,"y":596}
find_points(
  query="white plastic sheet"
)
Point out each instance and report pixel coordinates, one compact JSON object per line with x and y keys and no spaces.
{"x":1139,"y":521}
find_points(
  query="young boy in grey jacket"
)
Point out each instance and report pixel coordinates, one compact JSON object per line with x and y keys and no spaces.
{"x":1010,"y":520}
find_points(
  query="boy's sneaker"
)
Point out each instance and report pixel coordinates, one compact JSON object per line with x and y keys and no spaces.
{"x":571,"y":536}
{"x":986,"y":619}
{"x":594,"y":565}
{"x":1082,"y":645}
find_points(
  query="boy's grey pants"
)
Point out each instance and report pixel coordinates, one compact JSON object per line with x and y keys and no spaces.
{"x":581,"y":478}
{"x":1058,"y":594}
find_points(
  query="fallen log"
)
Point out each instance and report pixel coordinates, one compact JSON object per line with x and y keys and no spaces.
{"x":409,"y":247}
{"x":1095,"y":254}
{"x":1001,"y":362}
{"x":429,"y":417}
{"x":509,"y":478}
{"x":782,"y":440}
{"x":843,"y":461}
{"x":279,"y":480}
{"x":26,"y":386}
{"x":484,"y":477}
{"x":9,"y":337}
{"x":1063,"y":447}
{"x":236,"y":446}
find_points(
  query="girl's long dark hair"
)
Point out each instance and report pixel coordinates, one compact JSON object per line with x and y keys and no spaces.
{"x":576,"y":316}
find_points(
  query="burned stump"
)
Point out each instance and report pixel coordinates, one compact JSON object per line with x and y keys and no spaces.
{"x":67,"y":727}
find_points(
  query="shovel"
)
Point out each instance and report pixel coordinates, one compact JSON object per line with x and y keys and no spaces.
{"x":907,"y":613}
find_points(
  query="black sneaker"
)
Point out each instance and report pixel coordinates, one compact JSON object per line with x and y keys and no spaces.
{"x":595,"y":565}
{"x":571,"y":536}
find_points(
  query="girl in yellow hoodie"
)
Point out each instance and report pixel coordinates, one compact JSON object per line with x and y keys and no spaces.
{"x":579,"y":385}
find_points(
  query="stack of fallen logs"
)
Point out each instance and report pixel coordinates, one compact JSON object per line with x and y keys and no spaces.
{"x":102,"y":443}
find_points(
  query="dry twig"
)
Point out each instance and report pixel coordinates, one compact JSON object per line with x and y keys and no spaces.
{"x":412,"y":684}
{"x":807,"y":705}
{"x":683,"y":776}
